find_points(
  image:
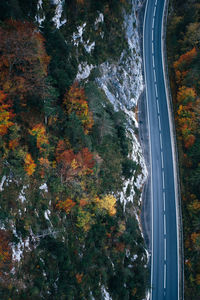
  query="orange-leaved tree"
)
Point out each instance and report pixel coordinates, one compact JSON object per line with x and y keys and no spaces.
{"x":23,"y":59}
{"x":71,"y":164}
{"x":186,"y":58}
{"x":6,"y":114}
{"x":29,"y":164}
{"x":66,"y":205}
{"x":75,"y":101}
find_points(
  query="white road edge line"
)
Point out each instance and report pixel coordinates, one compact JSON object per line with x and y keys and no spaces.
{"x":149,"y":151}
{"x":173,"y":147}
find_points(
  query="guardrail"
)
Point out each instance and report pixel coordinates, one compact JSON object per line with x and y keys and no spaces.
{"x":175,"y":154}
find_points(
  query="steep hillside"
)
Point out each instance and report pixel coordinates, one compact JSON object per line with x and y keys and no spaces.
{"x":184,"y":62}
{"x":72,"y":169}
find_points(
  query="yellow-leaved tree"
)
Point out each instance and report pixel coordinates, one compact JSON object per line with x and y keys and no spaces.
{"x":108,"y":202}
{"x":40,"y":132}
{"x":186,"y":94}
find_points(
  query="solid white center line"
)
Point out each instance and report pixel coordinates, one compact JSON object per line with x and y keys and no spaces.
{"x":163,"y":178}
{"x":164,"y":276}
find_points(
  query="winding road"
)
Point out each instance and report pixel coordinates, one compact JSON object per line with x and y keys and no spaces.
{"x":164,"y":256}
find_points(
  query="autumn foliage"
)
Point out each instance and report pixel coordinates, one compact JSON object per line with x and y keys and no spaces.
{"x":187,"y":101}
{"x":75,"y":101}
{"x":79,"y":277}
{"x":186,"y":58}
{"x":66,"y":205}
{"x":186,"y":94}
{"x":40,"y":132}
{"x":23,"y":59}
{"x":44,"y":165}
{"x":108,"y":203}
{"x":6,"y":114}
{"x":29,"y":164}
{"x":72,"y":164}
{"x":5,"y":252}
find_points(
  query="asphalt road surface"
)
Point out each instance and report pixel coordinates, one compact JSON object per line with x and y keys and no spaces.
{"x":164,"y":257}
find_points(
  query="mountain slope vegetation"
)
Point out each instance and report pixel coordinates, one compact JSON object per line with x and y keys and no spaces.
{"x":184,"y":61}
{"x":64,"y":157}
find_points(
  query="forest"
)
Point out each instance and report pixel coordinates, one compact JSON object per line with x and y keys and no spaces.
{"x":64,"y":156}
{"x":183,"y":35}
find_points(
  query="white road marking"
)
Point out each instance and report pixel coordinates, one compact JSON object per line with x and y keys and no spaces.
{"x":165,"y":226}
{"x":154,"y":12}
{"x":156,"y":90}
{"x":153,"y":61}
{"x":158,"y":106}
{"x":154,"y":74}
{"x":152,"y":48}
{"x":162,"y":160}
{"x":163,"y":178}
{"x":153,"y":22}
{"x":161,"y":145}
{"x":165,"y":249}
{"x":152,"y":35}
{"x":164,"y":276}
{"x":164,"y":200}
{"x":159,"y":123}
{"x":156,"y":3}
{"x":173,"y":150}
